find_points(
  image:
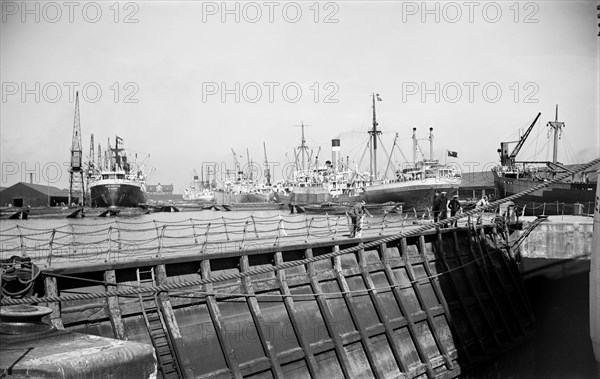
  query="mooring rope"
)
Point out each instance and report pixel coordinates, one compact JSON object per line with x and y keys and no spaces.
{"x":291,"y":264}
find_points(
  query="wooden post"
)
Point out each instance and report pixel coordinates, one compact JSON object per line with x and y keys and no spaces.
{"x":244,"y":235}
{"x":326,"y":312}
{"x":108,"y":244}
{"x":23,"y":250}
{"x":353,"y":311}
{"x":336,"y":228}
{"x":51,"y":289}
{"x":215,"y":316}
{"x":259,"y":322}
{"x":294,"y":316}
{"x":171,"y":324}
{"x":112,"y":304}
{"x":50,"y":244}
{"x":194,"y":230}
{"x":206,"y":238}
{"x":254,"y":223}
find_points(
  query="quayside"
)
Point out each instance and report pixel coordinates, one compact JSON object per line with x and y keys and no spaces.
{"x":432,"y":304}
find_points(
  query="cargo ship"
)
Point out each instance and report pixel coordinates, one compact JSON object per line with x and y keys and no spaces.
{"x":512,"y":176}
{"x":198,"y":192}
{"x":414,"y":185}
{"x":120,"y":184}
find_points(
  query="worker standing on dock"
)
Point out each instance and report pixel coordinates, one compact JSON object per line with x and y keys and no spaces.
{"x":436,"y":207}
{"x":443,"y":206}
{"x":358,"y":215}
{"x":482,"y":203}
{"x":455,"y":207}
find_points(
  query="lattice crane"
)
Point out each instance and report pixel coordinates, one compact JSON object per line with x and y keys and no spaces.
{"x":76,"y":187}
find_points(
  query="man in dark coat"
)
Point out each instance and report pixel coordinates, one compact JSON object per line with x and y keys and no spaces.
{"x":455,"y":207}
{"x":436,"y":207}
{"x":443,"y":206}
{"x":356,"y":215}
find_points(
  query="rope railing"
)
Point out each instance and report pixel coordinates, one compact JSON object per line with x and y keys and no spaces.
{"x":81,"y":242}
{"x":118,"y":239}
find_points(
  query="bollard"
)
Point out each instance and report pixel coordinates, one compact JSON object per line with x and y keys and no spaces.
{"x":595,"y":282}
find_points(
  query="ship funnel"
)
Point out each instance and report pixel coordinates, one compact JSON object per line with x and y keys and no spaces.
{"x":335,"y":153}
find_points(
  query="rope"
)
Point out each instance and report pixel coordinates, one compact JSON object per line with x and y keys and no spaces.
{"x":291,"y":264}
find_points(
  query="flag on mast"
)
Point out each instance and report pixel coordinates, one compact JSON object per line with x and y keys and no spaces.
{"x":453,"y":154}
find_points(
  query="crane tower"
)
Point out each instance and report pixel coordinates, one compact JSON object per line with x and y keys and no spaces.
{"x":76,"y":188}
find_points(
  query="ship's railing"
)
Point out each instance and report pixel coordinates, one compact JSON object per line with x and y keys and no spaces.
{"x":557,"y":208}
{"x":122,"y":240}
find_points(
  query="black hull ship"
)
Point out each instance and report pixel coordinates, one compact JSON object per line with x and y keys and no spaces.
{"x":512,"y":177}
{"x":120,"y":185}
{"x":117,"y":193}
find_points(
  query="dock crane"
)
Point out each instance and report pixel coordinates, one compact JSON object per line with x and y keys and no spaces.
{"x":100,"y":164}
{"x":76,"y":186}
{"x":249,"y":176}
{"x":239,"y":173}
{"x":267,"y":171}
{"x":507,"y":159}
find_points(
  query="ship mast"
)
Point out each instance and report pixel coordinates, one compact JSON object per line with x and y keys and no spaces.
{"x":267,"y":171}
{"x":100,"y":165}
{"x":431,"y":144}
{"x":415,"y":146}
{"x":374,"y":133}
{"x":557,"y":129}
{"x":303,"y":148}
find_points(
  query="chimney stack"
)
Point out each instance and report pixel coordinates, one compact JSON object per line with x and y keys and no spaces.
{"x":335,"y":153}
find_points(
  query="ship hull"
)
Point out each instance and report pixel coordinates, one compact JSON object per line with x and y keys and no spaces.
{"x":414,"y":194}
{"x":303,"y":196}
{"x":557,"y":197}
{"x":221,"y":197}
{"x":117,"y":195}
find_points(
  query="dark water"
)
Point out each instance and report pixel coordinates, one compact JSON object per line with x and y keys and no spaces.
{"x":561,"y":346}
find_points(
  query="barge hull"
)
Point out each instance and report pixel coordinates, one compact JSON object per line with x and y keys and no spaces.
{"x":435,"y":304}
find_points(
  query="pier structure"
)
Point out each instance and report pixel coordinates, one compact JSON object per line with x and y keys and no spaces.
{"x":595,"y":283}
{"x":431,"y":303}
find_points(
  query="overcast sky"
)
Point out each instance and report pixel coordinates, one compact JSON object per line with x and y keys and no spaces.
{"x":188,"y":81}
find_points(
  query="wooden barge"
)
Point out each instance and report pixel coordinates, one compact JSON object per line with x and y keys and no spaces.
{"x":427,"y":305}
